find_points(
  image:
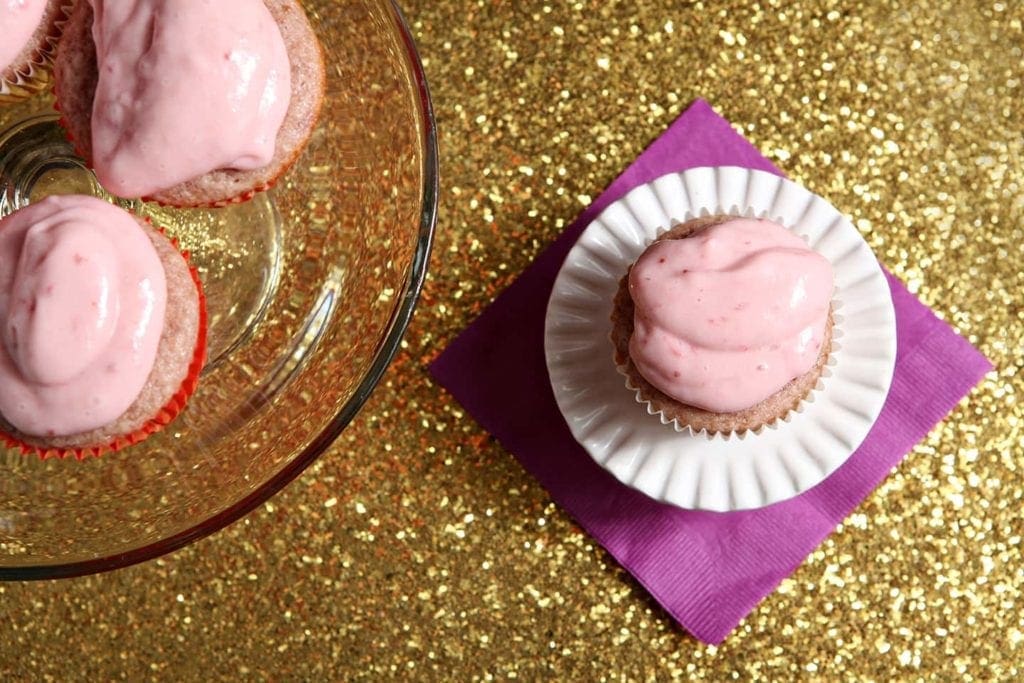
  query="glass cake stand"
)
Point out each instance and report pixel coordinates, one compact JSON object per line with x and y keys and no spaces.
{"x":309,"y":287}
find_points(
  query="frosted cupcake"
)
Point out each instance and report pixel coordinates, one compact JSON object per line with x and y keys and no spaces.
{"x":102,"y":328}
{"x":29,"y":30}
{"x":189,"y":104}
{"x":724,"y":323}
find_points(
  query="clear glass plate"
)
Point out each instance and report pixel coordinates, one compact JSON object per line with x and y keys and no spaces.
{"x":309,"y":287}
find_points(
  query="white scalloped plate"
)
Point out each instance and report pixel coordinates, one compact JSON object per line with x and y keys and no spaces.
{"x":696,"y":471}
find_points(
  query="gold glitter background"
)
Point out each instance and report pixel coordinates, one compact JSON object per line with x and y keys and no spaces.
{"x":418,"y":548}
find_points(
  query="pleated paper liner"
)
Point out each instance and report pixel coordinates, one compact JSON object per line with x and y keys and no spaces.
{"x":241,"y":198}
{"x":163,"y":417}
{"x":34,"y":75}
{"x":796,"y":406}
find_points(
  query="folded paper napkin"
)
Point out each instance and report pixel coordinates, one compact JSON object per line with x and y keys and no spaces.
{"x":709,"y":570}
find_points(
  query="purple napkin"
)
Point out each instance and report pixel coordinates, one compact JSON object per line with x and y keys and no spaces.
{"x":709,"y":570}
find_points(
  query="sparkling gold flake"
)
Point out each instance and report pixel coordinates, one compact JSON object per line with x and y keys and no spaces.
{"x":419,"y":549}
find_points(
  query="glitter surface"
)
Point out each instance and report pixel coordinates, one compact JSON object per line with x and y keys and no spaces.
{"x":418,"y":547}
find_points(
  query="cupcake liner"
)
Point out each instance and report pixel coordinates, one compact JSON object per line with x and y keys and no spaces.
{"x":692,"y":468}
{"x":164,"y":416}
{"x":34,"y":75}
{"x":772,"y":424}
{"x":219,"y":204}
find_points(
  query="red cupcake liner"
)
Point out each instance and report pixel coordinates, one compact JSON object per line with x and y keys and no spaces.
{"x":34,"y":75}
{"x":221,"y":203}
{"x":217,"y":204}
{"x":164,"y":416}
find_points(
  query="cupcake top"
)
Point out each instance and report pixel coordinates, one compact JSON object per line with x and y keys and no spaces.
{"x":82,"y":303}
{"x":184,"y":88}
{"x":728,"y":316}
{"x":19,"y":20}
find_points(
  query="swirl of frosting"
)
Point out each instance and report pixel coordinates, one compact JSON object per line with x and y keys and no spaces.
{"x":19,"y":19}
{"x":82,"y":302}
{"x":185,"y":88}
{"x":725,"y":318}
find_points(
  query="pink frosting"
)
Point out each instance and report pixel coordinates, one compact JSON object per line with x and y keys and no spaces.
{"x":185,"y":88}
{"x":726,"y":318}
{"x":82,"y":302}
{"x":19,"y":19}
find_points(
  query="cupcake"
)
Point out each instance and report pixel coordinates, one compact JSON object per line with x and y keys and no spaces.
{"x":29,"y":30}
{"x":724,"y":323}
{"x":189,"y":104}
{"x":102,"y":328}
